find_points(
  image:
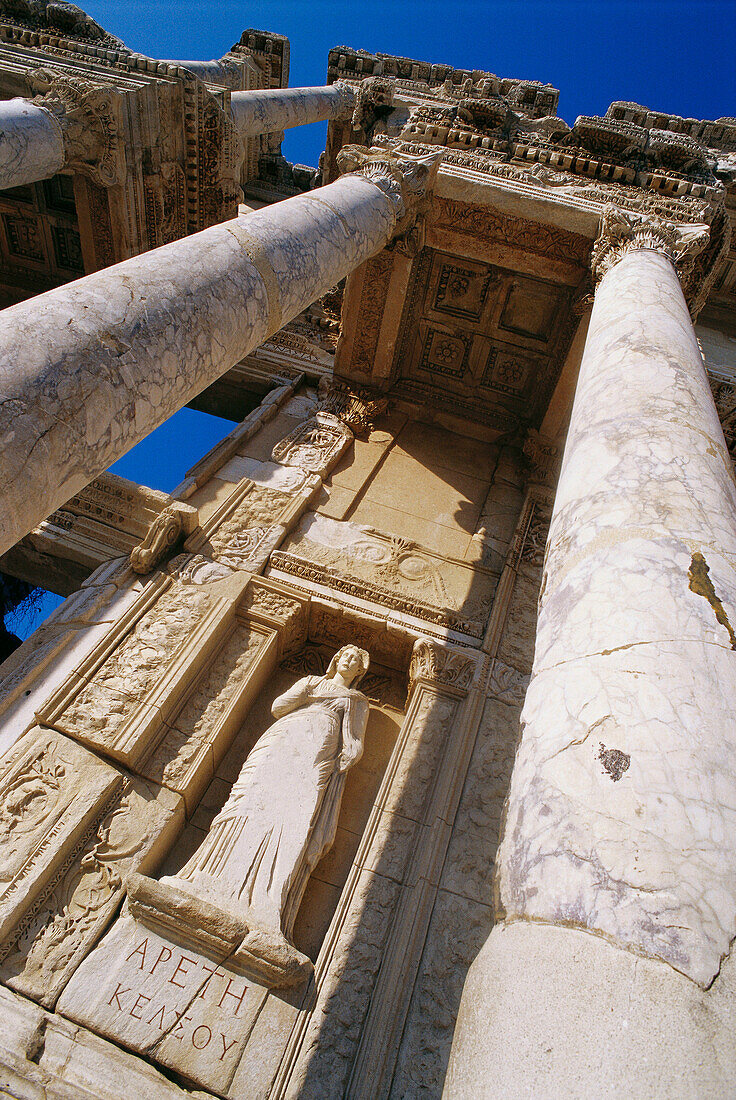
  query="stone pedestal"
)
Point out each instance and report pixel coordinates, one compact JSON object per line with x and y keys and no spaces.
{"x":264,"y":112}
{"x":621,"y":821}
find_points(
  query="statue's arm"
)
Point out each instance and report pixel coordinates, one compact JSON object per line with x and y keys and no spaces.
{"x":353,"y":732}
{"x":294,"y":697}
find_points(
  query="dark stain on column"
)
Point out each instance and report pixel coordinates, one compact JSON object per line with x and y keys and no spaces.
{"x":614,"y":761}
{"x":702,"y":585}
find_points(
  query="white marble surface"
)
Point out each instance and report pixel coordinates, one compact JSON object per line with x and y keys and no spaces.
{"x":264,"y":112}
{"x":88,"y":369}
{"x":622,"y":811}
{"x":31,"y":143}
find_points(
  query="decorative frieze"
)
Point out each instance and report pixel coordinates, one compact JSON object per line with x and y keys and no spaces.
{"x":120,"y":695}
{"x":51,"y":790}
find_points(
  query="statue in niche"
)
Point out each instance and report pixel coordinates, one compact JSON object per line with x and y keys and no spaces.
{"x":281,"y":816}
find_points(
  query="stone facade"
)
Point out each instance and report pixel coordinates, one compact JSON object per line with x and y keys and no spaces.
{"x":482,"y":374}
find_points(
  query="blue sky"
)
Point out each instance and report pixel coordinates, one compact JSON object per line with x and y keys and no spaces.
{"x":670,"y":55}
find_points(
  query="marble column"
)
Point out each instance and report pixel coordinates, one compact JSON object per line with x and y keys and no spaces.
{"x":90,"y":368}
{"x":264,"y":112}
{"x":617,"y":867}
{"x":31,"y":143}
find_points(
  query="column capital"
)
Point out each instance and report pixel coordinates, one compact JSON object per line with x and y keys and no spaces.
{"x":88,"y":114}
{"x":623,"y":231}
{"x":405,"y":180}
{"x":348,"y":98}
{"x":441,"y":665}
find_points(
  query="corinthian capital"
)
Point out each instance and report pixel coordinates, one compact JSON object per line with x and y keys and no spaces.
{"x":89,"y":116}
{"x":622,"y":231}
{"x":406,"y":180}
{"x":348,"y":98}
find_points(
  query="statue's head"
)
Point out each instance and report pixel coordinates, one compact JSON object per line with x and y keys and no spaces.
{"x":352,"y":664}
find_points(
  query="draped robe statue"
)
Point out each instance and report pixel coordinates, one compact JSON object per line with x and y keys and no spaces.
{"x":281,"y":816}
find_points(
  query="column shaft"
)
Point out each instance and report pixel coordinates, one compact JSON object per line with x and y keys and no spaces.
{"x":619,"y":819}
{"x":88,"y":369}
{"x":31,"y":143}
{"x":621,"y":816}
{"x":263,"y":112}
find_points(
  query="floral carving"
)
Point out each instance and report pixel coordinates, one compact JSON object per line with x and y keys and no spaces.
{"x":441,"y":665}
{"x":404,"y":179}
{"x":89,"y":117}
{"x":623,"y":232}
{"x":314,"y":445}
{"x":356,"y":408}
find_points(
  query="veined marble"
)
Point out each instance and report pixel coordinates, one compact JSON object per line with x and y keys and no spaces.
{"x":31,"y":143}
{"x":264,"y":112}
{"x":622,"y":813}
{"x":107,"y":359}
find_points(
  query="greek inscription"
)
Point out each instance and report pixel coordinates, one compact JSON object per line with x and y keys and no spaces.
{"x":222,"y":993}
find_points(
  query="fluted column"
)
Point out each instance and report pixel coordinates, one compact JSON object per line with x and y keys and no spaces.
{"x":264,"y":112}
{"x":88,"y":369}
{"x":621,"y":817}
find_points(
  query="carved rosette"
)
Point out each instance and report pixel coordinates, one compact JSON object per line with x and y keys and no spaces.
{"x":89,"y":115}
{"x":623,"y":231}
{"x":406,"y":180}
{"x":441,"y":665}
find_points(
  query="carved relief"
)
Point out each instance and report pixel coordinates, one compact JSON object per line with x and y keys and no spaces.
{"x":142,"y":667}
{"x":315,"y":445}
{"x":79,"y":901}
{"x":287,"y":613}
{"x":161,"y":537}
{"x":90,"y":118}
{"x":438,"y":664}
{"x":354,"y":407}
{"x":192,"y":732}
{"x":491,"y":226}
{"x":165,"y":204}
{"x":623,"y":232}
{"x":50,"y":788}
{"x":544,"y":457}
{"x":390,"y":571}
{"x":374,"y":296}
{"x":405,"y":180}
{"x":244,"y":539}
